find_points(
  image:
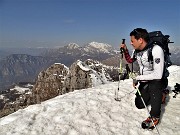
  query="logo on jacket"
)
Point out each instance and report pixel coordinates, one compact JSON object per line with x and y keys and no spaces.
{"x":157,"y":60}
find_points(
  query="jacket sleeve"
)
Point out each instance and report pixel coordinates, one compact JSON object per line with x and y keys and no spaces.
{"x":128,"y":57}
{"x":158,"y":65}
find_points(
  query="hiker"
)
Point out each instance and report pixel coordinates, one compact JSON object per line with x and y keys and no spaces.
{"x":150,"y":79}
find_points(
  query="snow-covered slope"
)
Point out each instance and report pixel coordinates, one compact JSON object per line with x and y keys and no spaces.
{"x":100,"y":47}
{"x":94,"y":111}
{"x":72,"y":46}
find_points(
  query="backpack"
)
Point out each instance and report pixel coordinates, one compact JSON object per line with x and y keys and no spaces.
{"x":157,"y":38}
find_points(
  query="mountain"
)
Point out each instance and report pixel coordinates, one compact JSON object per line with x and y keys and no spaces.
{"x":56,"y":80}
{"x":175,"y":54}
{"x":28,"y":66}
{"x":72,"y":52}
{"x":21,"y":67}
{"x":15,"y":98}
{"x":95,"y":47}
{"x":4,"y":52}
{"x":94,"y":111}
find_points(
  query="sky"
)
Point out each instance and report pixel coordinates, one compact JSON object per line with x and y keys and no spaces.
{"x":94,"y":111}
{"x":50,"y":23}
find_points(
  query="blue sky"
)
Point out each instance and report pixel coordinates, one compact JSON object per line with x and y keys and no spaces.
{"x":49,"y":23}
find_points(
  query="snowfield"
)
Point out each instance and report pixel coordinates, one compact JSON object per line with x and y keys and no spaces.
{"x":94,"y":111}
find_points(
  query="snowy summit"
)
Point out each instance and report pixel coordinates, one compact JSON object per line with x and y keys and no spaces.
{"x":101,"y":47}
{"x":94,"y":111}
{"x":72,"y":46}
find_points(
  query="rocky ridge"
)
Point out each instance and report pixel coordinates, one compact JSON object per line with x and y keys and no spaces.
{"x":22,"y":67}
{"x":57,"y":80}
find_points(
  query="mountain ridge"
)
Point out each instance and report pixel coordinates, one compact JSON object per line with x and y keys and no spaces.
{"x":67,"y":55}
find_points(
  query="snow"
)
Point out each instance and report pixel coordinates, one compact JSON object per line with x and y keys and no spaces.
{"x":102,"y":47}
{"x":1,"y":97}
{"x":97,"y":78}
{"x":72,"y":46}
{"x":83,"y":66}
{"x":20,"y":89}
{"x":94,"y":111}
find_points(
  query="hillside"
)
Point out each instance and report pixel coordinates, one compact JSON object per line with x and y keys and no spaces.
{"x":21,"y":67}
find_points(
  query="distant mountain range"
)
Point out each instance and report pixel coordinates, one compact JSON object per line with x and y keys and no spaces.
{"x":72,"y":52}
{"x":16,"y":68}
{"x":21,"y":67}
{"x":12,"y":50}
{"x":175,"y":55}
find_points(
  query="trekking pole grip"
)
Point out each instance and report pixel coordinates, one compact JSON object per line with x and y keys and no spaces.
{"x":122,"y":49}
{"x":123,"y":41}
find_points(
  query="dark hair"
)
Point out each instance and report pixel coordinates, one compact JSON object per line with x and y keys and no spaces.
{"x":140,"y":33}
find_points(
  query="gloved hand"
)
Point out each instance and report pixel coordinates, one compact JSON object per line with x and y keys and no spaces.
{"x":135,"y":83}
{"x":123,"y":46}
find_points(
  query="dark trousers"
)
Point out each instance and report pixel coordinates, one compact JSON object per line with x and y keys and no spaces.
{"x":151,"y":93}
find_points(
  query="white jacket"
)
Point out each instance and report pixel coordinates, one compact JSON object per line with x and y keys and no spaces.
{"x":150,"y":71}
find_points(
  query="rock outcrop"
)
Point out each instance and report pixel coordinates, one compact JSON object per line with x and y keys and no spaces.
{"x":16,"y":98}
{"x":78,"y":77}
{"x":58,"y":79}
{"x":50,"y":82}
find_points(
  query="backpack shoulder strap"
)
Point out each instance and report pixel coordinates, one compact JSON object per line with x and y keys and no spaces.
{"x":150,"y":56}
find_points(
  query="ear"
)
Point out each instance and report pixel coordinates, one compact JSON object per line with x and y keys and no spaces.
{"x":140,"y":40}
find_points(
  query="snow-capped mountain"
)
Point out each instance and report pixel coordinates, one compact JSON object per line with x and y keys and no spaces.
{"x":18,"y":66}
{"x":72,"y":46}
{"x":94,"y":111}
{"x":175,"y":54}
{"x":72,"y":52}
{"x":14,"y":72}
{"x":98,"y":47}
{"x":174,"y":49}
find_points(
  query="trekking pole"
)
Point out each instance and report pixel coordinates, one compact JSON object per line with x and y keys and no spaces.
{"x":120,"y":71}
{"x":147,"y":109}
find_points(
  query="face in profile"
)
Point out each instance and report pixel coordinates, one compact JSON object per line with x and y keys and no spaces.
{"x":136,"y":43}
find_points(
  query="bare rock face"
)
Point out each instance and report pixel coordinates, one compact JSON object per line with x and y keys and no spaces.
{"x":78,"y":78}
{"x":50,"y":82}
{"x":58,"y":79}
